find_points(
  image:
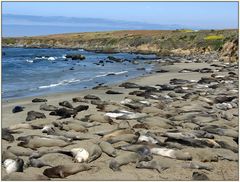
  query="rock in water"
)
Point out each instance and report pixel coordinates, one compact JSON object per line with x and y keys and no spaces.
{"x":76,"y":57}
{"x":32,"y":115}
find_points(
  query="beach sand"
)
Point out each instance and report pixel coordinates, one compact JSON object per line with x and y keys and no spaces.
{"x":223,"y":169}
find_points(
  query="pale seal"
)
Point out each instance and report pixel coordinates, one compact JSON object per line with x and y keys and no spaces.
{"x":13,"y":165}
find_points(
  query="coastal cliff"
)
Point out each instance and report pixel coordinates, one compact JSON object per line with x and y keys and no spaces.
{"x":161,"y":42}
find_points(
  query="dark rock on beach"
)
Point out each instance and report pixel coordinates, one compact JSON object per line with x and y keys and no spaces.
{"x":17,"y":109}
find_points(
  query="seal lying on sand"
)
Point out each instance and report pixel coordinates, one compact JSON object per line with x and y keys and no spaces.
{"x":13,"y":165}
{"x":197,"y":165}
{"x":23,"y":126}
{"x":94,"y":152}
{"x":36,"y":163}
{"x":63,"y":171}
{"x":37,"y":142}
{"x":79,"y":154}
{"x":108,"y":149}
{"x":32,"y":115}
{"x":21,"y":176}
{"x":126,"y":159}
{"x":7,"y":135}
{"x":174,"y":154}
{"x":152,"y":165}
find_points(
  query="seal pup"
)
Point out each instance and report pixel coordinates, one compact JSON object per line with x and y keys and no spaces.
{"x":108,"y":149}
{"x":94,"y":152}
{"x":13,"y":165}
{"x":63,"y":171}
{"x":152,"y":165}
{"x":127,"y":158}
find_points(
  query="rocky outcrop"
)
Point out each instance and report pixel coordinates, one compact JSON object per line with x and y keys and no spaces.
{"x":229,"y":51}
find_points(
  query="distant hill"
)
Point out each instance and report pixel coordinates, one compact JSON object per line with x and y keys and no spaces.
{"x":27,"y":25}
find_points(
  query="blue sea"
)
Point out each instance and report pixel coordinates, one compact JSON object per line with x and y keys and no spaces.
{"x":33,"y":72}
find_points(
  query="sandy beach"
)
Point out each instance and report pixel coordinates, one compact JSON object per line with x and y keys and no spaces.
{"x":188,"y":107}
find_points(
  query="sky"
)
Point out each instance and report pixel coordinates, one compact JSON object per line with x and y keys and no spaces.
{"x":218,"y":14}
{"x":194,"y":15}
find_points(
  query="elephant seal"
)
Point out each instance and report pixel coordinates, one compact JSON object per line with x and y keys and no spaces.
{"x":174,"y":154}
{"x":80,"y":154}
{"x":197,"y":165}
{"x":140,"y":149}
{"x":127,"y":158}
{"x":66,"y":104}
{"x":63,"y":171}
{"x":94,"y":152}
{"x":13,"y":165}
{"x":37,"y":142}
{"x":8,"y":155}
{"x":199,"y":176}
{"x":17,"y":109}
{"x":23,"y":126}
{"x":21,"y":176}
{"x":77,"y":127}
{"x":81,"y":108}
{"x":37,"y":163}
{"x":6,"y":135}
{"x":46,"y":107}
{"x":63,"y":112}
{"x":91,"y":97}
{"x":108,"y":149}
{"x":152,"y":165}
{"x":130,"y":138}
{"x":32,"y":115}
{"x":39,"y":100}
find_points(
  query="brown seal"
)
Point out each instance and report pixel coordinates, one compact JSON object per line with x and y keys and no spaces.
{"x":63,"y":171}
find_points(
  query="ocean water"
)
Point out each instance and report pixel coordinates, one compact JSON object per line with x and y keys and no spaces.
{"x":33,"y":72}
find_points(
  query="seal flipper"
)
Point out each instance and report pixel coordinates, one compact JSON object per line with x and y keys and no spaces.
{"x":114,"y":165}
{"x":61,"y":174}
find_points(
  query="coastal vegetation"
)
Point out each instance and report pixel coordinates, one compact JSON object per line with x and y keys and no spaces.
{"x":162,"y":42}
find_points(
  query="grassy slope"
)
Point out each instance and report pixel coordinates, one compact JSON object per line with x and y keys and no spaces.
{"x":145,"y":41}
